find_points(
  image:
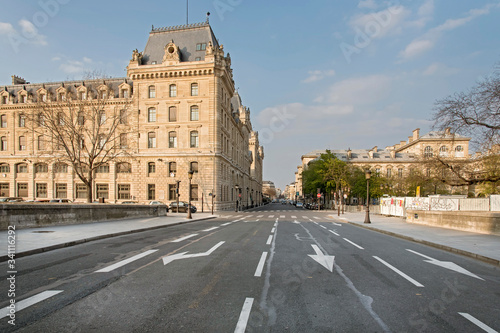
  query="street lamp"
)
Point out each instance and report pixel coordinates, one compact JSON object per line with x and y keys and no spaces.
{"x":368,"y":174}
{"x":247,"y":197}
{"x":236,"y":203}
{"x":190,"y":176}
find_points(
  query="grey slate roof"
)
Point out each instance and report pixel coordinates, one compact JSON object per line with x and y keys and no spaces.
{"x":71,"y":86}
{"x":186,"y":37}
{"x":362,"y":155}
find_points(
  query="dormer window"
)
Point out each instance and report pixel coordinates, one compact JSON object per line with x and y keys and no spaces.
{"x":61,"y":97}
{"x":82,"y":95}
{"x":43,"y":97}
{"x":4,"y":99}
{"x":23,"y":98}
{"x":201,"y":46}
{"x":124,"y":93}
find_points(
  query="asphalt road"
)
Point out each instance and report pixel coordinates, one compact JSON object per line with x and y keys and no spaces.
{"x":273,"y":269}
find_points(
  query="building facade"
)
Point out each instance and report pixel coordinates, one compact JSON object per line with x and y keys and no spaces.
{"x":182,"y":112}
{"x":399,"y":160}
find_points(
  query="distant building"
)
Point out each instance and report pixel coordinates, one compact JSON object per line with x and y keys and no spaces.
{"x":397,"y":160}
{"x":187,"y":115}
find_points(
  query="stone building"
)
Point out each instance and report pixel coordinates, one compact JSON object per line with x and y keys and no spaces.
{"x":397,"y":160}
{"x":182,"y":113}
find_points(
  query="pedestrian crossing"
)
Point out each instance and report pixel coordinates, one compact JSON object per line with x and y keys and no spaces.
{"x":271,"y":214}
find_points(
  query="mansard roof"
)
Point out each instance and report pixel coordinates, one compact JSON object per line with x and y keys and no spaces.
{"x":70,"y":86}
{"x":186,"y":37}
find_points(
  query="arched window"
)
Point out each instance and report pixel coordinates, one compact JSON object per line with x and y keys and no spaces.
{"x":195,"y":113}
{"x":194,"y":167}
{"x":152,"y":92}
{"x":443,"y":151}
{"x":151,"y":140}
{"x":172,"y":114}
{"x":172,"y":140}
{"x":459,"y":151}
{"x":172,"y":169}
{"x":151,"y":167}
{"x":41,"y":168}
{"x":151,"y":115}
{"x":428,"y":152}
{"x":173,"y":90}
{"x":123,"y":167}
{"x":22,"y":168}
{"x":103,"y":168}
{"x":194,"y":89}
{"x":60,"y":168}
{"x":194,"y":139}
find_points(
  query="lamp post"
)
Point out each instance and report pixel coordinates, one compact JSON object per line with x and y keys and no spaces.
{"x":247,"y":197}
{"x":237,"y":193}
{"x":368,"y":174}
{"x":190,"y":176}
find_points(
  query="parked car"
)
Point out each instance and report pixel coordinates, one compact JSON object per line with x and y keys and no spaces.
{"x":61,"y":200}
{"x":183,"y":206}
{"x":155,"y":202}
{"x":129,"y":202}
{"x":11,"y":199}
{"x":299,"y":205}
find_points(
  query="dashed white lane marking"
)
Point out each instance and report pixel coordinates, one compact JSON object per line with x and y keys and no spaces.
{"x":282,"y":216}
{"x":416,"y":283}
{"x":186,"y":237}
{"x":294,"y":217}
{"x":30,"y":301}
{"x":338,"y":225}
{"x":244,"y":315}
{"x":271,"y":216}
{"x":272,"y":230}
{"x":260,"y":266}
{"x":269,"y":240}
{"x":317,"y":218}
{"x":359,"y":247}
{"x":228,"y":223}
{"x":260,"y":216}
{"x":333,"y":232}
{"x":477,"y":322}
{"x":322,"y":226}
{"x":304,"y":217}
{"x":125,"y":262}
{"x":249,"y":216}
{"x":210,"y":229}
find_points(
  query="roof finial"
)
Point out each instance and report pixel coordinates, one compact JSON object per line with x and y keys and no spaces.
{"x":208,"y":15}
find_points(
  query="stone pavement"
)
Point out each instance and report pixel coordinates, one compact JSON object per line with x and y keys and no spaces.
{"x":480,"y":246}
{"x":37,"y":240}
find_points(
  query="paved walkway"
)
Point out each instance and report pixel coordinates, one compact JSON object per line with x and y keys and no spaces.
{"x":480,"y":246}
{"x":37,"y":240}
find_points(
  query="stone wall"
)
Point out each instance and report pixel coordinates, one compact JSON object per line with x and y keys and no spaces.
{"x":472,"y":221}
{"x":40,"y":215}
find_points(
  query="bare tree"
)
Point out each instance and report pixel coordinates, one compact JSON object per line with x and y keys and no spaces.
{"x":86,"y":133}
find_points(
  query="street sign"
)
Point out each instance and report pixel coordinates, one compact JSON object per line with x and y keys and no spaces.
{"x":319,"y":195}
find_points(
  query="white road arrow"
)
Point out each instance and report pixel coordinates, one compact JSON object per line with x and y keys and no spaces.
{"x":446,"y":264}
{"x":322,"y":259}
{"x":183,"y":255}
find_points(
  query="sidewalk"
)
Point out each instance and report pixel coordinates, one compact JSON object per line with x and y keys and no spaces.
{"x":37,"y":240}
{"x":480,"y":246}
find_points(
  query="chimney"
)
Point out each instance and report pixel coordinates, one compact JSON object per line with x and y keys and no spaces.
{"x":410,"y":139}
{"x":375,"y":149}
{"x":349,"y":154}
{"x":447,"y":131}
{"x":393,"y":154}
{"x":416,"y":134}
{"x":18,"y":80}
{"x":402,"y":143}
{"x":370,"y":153}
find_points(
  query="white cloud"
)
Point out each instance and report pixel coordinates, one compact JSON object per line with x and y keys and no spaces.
{"x":382,"y":23}
{"x":30,"y":32}
{"x":427,"y":9}
{"x":70,"y":66}
{"x":318,"y":75}
{"x":370,"y":4}
{"x":6,"y":29}
{"x":430,"y":38}
{"x":360,"y":91}
{"x":439,"y":69}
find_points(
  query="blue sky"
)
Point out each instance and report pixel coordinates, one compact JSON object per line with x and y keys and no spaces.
{"x":317,"y":74}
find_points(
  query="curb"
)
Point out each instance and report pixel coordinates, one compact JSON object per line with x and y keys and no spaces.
{"x":435,"y":245}
{"x":85,"y":240}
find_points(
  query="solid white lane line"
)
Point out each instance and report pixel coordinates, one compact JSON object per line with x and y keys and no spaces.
{"x":269,"y":240}
{"x":228,"y":223}
{"x":272,"y":230}
{"x":184,"y":238}
{"x":30,"y":301}
{"x":125,"y":262}
{"x":260,"y":266}
{"x":359,"y":247}
{"x":478,"y":323}
{"x":210,"y":229}
{"x":333,"y":232}
{"x":416,"y":283}
{"x":245,"y":314}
